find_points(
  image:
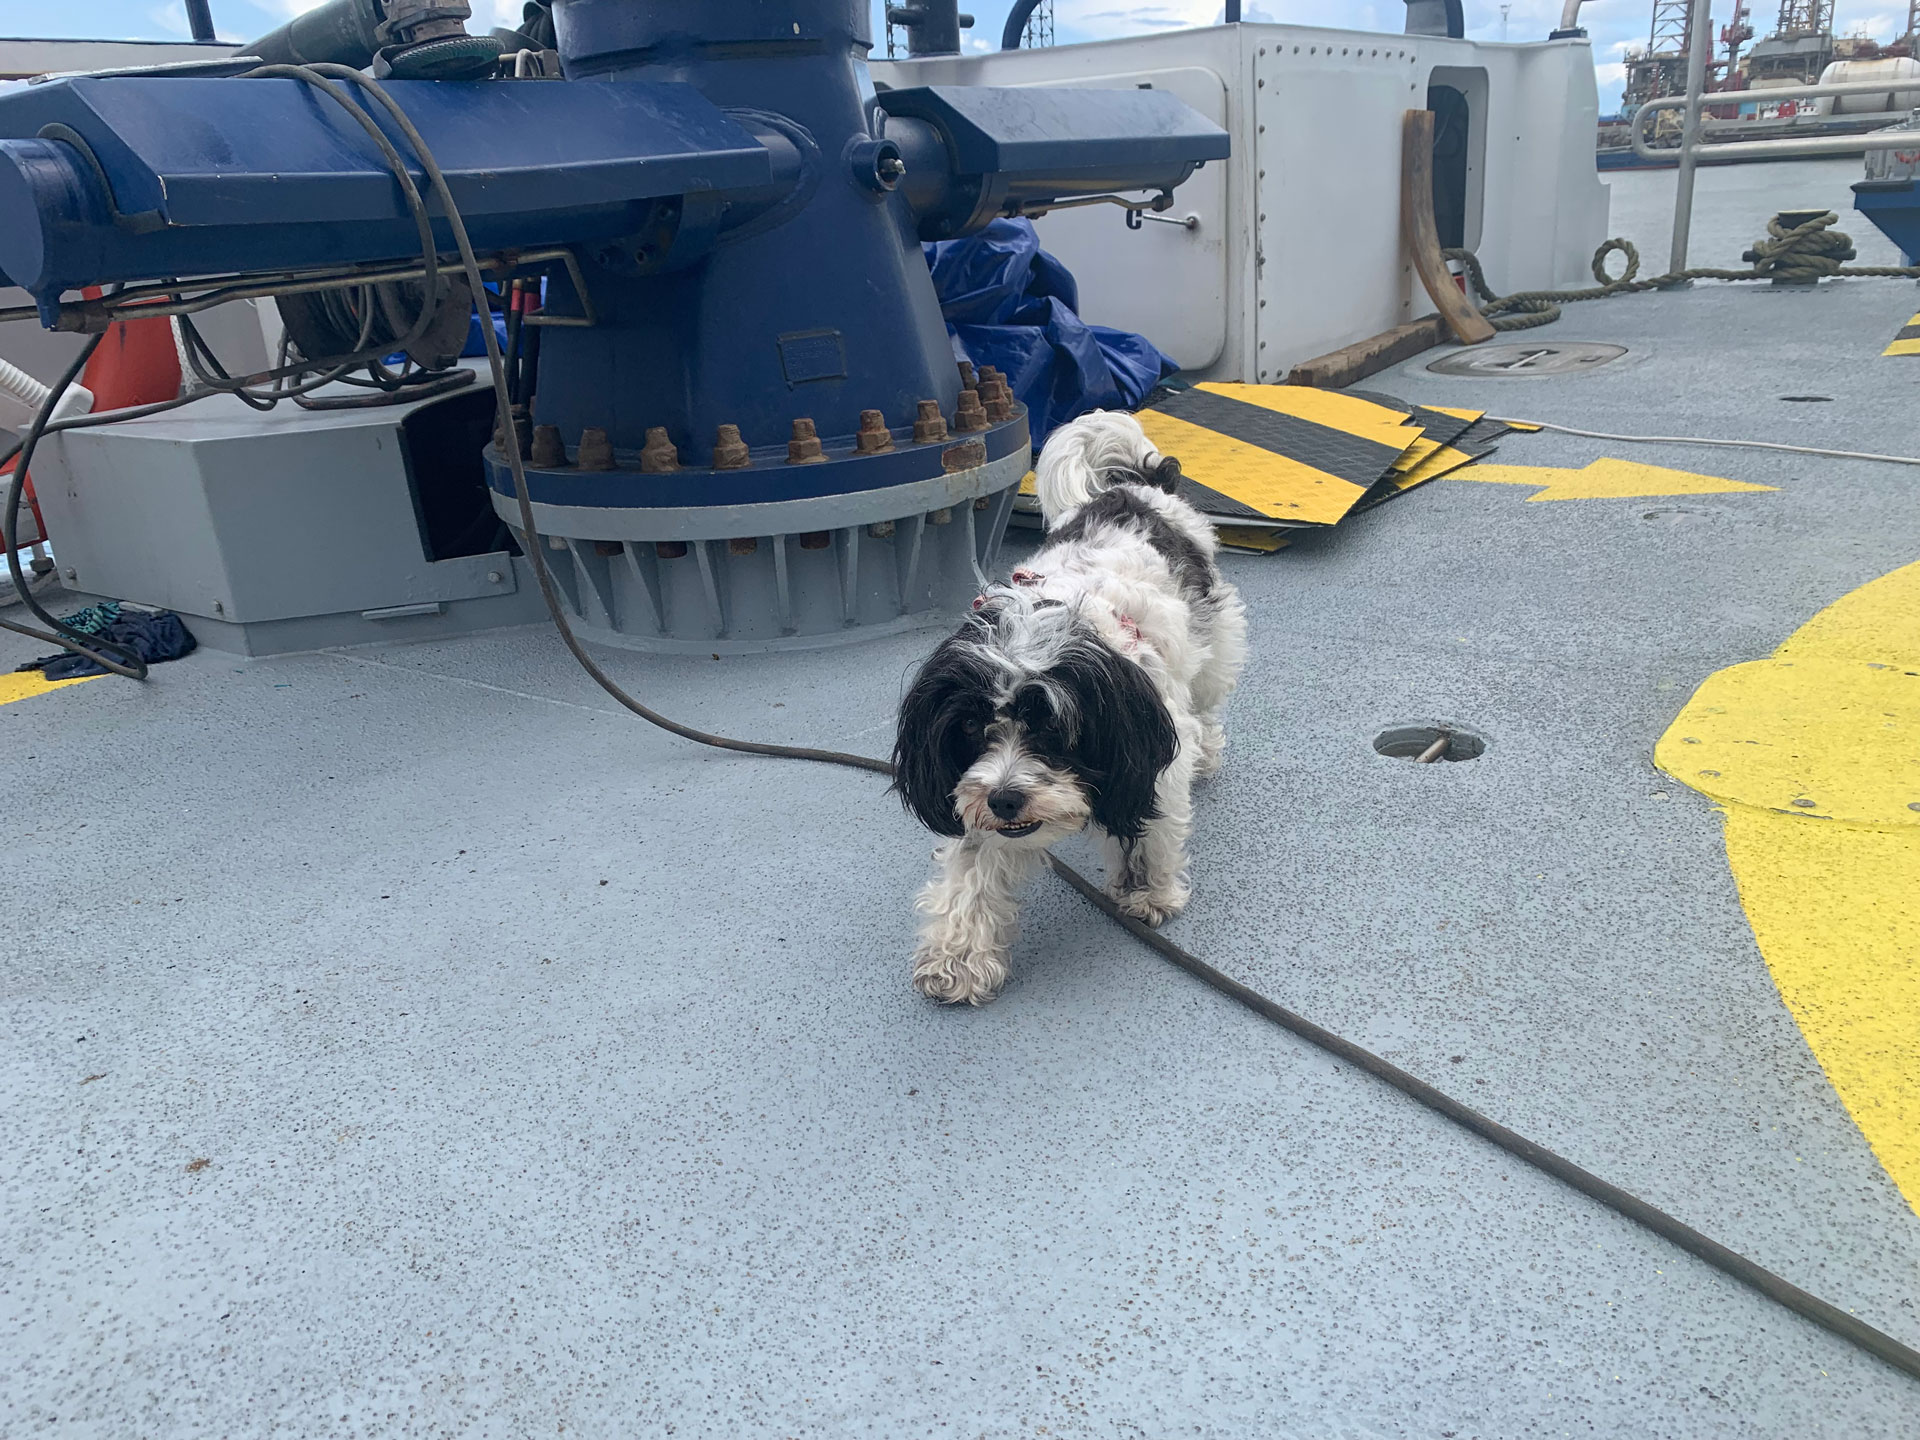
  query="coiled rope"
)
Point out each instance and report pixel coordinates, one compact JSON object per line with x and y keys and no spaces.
{"x":1792,"y":254}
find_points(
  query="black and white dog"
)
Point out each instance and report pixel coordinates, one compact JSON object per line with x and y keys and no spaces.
{"x":1087,"y":690}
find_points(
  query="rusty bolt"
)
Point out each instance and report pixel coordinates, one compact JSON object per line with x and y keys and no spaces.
{"x":816,"y":540}
{"x":969,"y":378}
{"x":670,"y":549}
{"x":970,"y":416}
{"x":804,"y":446}
{"x":607,"y":549}
{"x":998,"y":408}
{"x":523,"y":430}
{"x":658,"y":456}
{"x":940,"y":517}
{"x":729,"y":450}
{"x":596,"y":450}
{"x":880,"y":529}
{"x":930,"y":427}
{"x":743,"y":546}
{"x":981,"y":502}
{"x":548,"y":452}
{"x":874,"y":437}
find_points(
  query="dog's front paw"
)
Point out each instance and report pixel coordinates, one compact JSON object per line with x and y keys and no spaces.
{"x":1152,"y":907}
{"x":959,"y":977}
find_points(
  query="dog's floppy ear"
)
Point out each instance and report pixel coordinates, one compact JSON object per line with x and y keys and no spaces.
{"x":938,"y":735}
{"x":1123,"y":737}
{"x":1166,"y":475}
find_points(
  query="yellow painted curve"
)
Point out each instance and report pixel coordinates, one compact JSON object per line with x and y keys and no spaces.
{"x":1815,"y":756}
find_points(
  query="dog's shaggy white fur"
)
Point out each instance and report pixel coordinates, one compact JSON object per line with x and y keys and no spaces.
{"x":1085,"y":691}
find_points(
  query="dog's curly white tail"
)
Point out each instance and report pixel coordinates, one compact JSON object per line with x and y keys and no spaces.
{"x":1086,"y":690}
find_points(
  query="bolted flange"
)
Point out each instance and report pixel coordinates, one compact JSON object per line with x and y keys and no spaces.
{"x":596,"y":450}
{"x":930,"y":427}
{"x":804,"y":447}
{"x":547,"y":451}
{"x":658,"y":456}
{"x":729,"y":450}
{"x":971,"y":415}
{"x":874,"y":437}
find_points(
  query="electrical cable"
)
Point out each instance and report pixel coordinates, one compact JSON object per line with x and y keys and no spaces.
{"x":1838,"y":1322}
{"x":1703,"y":440}
{"x":1848,"y":1327}
{"x":100,"y":651}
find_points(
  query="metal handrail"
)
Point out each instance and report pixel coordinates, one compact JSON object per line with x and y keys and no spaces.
{"x":1785,"y":145}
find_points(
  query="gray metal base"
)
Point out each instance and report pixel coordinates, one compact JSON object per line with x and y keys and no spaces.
{"x":387,"y":625}
{"x":794,"y":575}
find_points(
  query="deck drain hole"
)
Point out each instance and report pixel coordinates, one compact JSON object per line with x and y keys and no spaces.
{"x":1808,"y":399}
{"x":1565,"y":357}
{"x":1410,"y":742}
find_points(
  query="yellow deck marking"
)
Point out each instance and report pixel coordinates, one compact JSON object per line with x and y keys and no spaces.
{"x":1275,"y":485}
{"x":1028,"y":486}
{"x":25,"y":684}
{"x":1605,"y":480}
{"x":1458,"y":413}
{"x":1907,"y":342}
{"x":1831,"y":888}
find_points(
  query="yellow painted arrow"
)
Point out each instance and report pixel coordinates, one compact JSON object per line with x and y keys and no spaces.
{"x":1603,"y":480}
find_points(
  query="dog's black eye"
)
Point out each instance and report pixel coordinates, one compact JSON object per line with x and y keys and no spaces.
{"x":971,"y":725}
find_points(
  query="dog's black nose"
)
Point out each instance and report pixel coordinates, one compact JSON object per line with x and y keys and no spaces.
{"x":1006,"y":803}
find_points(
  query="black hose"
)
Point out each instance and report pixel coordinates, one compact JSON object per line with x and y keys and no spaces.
{"x":78,"y":641}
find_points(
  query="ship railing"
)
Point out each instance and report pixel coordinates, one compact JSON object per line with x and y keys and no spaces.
{"x":1699,"y":46}
{"x":1787,"y":144}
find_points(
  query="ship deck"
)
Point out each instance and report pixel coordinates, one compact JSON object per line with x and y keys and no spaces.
{"x":406,"y":1041}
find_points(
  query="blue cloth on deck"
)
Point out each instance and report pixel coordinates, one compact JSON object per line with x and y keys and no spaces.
{"x":1010,"y":304}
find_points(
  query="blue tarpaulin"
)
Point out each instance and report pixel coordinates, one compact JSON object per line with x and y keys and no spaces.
{"x":1010,"y":304}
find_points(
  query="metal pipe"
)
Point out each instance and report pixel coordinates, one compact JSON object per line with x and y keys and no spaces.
{"x":1016,"y":24}
{"x":1699,"y":42}
{"x":1569,"y":27}
{"x":200,"y":19}
{"x":1746,"y":149}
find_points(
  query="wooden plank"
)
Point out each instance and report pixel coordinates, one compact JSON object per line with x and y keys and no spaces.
{"x":1422,"y":237}
{"x":1354,"y":362}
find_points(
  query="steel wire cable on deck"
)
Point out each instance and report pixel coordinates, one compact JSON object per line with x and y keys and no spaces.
{"x":1838,"y":1322}
{"x":1791,"y":254}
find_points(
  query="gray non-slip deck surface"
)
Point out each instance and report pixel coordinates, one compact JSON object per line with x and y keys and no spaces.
{"x":555,"y":1077}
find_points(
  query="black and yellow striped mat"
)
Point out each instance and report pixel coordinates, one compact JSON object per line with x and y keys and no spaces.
{"x":1291,"y":455}
{"x":1907,"y":342}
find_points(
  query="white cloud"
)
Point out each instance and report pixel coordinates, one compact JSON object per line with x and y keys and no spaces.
{"x":172,"y":19}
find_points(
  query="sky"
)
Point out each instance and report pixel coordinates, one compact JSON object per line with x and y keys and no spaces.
{"x":1613,"y":24}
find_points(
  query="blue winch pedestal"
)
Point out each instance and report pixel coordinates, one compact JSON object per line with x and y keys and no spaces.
{"x":749,"y":428}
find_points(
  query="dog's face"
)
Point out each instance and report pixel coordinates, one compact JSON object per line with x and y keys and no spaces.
{"x":1026,"y":725}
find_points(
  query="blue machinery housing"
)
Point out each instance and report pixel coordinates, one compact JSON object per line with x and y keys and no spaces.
{"x":743,"y":213}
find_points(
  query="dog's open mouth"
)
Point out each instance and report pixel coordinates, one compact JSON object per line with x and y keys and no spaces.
{"x":1016,"y":832}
